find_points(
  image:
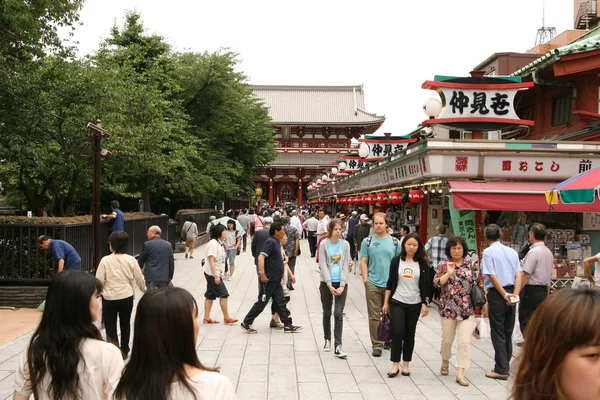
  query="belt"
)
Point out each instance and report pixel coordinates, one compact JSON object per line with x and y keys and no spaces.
{"x":538,"y":286}
{"x":505,"y":287}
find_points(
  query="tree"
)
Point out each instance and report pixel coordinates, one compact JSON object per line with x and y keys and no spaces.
{"x":234,"y":128}
{"x":43,"y":143}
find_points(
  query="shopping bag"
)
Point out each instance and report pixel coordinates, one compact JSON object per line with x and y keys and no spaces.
{"x":481,"y":330}
{"x":384,"y":330}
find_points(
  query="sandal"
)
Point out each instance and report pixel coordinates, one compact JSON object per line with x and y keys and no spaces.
{"x":444,"y":370}
{"x":230,"y":320}
{"x":210,"y":321}
{"x":462,"y":381}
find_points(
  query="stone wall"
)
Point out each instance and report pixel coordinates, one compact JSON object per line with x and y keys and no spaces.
{"x":22,"y":296}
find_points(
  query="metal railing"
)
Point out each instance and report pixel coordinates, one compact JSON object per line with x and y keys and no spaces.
{"x":22,"y":261}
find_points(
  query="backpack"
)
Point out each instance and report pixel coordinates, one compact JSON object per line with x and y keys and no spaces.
{"x":394,"y":239}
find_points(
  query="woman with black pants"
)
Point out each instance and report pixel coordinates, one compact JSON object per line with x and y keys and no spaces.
{"x":407,"y":294}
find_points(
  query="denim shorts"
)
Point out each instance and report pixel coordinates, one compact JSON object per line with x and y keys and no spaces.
{"x":213,"y":290}
{"x":230,"y":254}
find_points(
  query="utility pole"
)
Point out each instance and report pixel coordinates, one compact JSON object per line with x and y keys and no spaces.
{"x":97,"y":135}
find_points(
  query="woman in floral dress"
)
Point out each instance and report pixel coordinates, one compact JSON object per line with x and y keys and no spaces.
{"x":455,"y":277}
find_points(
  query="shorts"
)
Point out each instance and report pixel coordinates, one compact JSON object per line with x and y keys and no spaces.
{"x":230,"y":254}
{"x":213,"y":290}
{"x":190,"y":241}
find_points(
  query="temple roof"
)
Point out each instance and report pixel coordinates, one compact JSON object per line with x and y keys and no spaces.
{"x":316,"y":105}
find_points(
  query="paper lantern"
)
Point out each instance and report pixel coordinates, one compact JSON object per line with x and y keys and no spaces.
{"x":396,"y":198}
{"x":341,"y":200}
{"x":382,"y":198}
{"x":354,"y":200}
{"x":364,"y":199}
{"x":416,"y":196}
{"x":372,"y":198}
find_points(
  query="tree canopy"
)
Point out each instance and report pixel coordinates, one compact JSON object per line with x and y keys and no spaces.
{"x":185,"y":126}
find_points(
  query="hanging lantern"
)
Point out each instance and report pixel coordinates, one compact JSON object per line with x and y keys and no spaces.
{"x":342,"y":165}
{"x":341,"y":200}
{"x":382,"y":198}
{"x":396,"y":198}
{"x":355,"y":200}
{"x":364,"y":199}
{"x":416,"y":196}
{"x":372,"y":198}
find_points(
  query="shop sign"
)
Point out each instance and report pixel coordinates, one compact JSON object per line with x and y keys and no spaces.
{"x":544,"y":166}
{"x":354,"y":165}
{"x":383,"y":147}
{"x":464,"y":225}
{"x":407,"y":170}
{"x":475,"y":100}
{"x":374,"y":179}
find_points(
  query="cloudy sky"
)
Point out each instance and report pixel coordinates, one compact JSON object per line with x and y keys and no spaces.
{"x":389,"y":46}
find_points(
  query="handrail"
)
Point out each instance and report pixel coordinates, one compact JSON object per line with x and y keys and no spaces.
{"x":587,"y":8}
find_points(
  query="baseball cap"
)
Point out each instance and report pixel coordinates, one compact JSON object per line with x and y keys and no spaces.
{"x":354,"y":213}
{"x":364,"y":217}
{"x":294,"y":211}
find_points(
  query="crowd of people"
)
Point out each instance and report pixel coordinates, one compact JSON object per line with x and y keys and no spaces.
{"x":67,"y":357}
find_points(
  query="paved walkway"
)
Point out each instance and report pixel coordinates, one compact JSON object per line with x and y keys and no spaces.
{"x":274,"y":365}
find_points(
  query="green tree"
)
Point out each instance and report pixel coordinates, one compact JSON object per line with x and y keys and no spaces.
{"x":236,"y":133}
{"x":45,"y":147}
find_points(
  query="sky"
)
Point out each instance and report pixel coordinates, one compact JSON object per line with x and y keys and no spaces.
{"x":389,"y":46}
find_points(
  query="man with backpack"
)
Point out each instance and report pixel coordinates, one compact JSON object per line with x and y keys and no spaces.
{"x":376,"y":253}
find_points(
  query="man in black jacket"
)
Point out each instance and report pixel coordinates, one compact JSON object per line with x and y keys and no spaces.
{"x":156,"y":259}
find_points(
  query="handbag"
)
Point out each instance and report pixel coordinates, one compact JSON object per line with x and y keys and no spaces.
{"x":477,"y":296}
{"x":384,"y":330}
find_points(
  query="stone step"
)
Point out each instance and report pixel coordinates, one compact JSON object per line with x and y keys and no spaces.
{"x":22,"y":296}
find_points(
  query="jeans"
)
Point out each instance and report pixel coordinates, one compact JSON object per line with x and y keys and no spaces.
{"x":531,"y":297}
{"x":312,"y":243}
{"x":292,"y":265}
{"x":404,"y":318}
{"x":502,"y":322}
{"x":244,"y":241}
{"x":121,"y":308}
{"x":272,"y":290}
{"x":375,"y":297}
{"x":338,"y":312}
{"x":350,"y":240}
{"x":261,"y":287}
{"x":156,"y":285}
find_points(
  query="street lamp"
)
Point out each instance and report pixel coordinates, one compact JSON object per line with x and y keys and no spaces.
{"x":334,"y":170}
{"x":363,"y":151}
{"x":343,"y":165}
{"x":432,"y":107}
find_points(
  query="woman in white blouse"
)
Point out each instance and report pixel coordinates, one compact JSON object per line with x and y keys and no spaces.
{"x":66,"y":357}
{"x":119,"y":273}
{"x":164,"y":363}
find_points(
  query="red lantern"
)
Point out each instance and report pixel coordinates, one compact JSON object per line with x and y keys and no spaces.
{"x":396,"y":198}
{"x":372,"y":198}
{"x":364,"y":199}
{"x":416,"y":196}
{"x":342,"y":200}
{"x":355,"y":199}
{"x":382,"y":198}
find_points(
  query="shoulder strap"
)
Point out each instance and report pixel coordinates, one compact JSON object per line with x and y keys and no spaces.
{"x":369,"y":240}
{"x":396,"y":243}
{"x":189,"y":227}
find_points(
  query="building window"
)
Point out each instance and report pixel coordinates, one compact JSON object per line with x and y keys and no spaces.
{"x":561,"y":109}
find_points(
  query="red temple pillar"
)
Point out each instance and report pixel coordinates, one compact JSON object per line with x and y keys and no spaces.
{"x":271,"y":193}
{"x":299,"y":192}
{"x":423,"y":223}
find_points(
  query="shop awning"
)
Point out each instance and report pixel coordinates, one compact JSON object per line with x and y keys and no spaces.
{"x":509,"y":196}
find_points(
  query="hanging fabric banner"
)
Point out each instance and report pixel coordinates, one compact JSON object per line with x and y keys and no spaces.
{"x":463,"y":225}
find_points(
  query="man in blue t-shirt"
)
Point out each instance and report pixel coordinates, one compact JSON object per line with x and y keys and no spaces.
{"x":271,"y":268}
{"x":62,"y":252}
{"x":376,"y":253}
{"x":117,"y":218}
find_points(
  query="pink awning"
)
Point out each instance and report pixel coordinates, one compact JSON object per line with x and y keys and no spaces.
{"x":510,"y":196}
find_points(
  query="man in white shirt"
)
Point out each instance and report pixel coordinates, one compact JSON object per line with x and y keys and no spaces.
{"x":295,"y":221}
{"x":322,"y":229}
{"x":594,"y":278}
{"x":311,"y":225}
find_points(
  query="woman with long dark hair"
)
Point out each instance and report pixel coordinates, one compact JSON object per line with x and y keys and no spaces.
{"x":561,"y":357}
{"x":164,"y":364}
{"x":66,"y":357}
{"x":407,"y":294}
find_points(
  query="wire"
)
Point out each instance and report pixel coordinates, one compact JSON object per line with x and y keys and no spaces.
{"x":78,"y":124}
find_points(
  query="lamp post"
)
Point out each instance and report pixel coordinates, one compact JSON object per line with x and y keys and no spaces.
{"x":97,"y":135}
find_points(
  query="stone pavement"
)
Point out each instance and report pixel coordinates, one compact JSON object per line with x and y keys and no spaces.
{"x":275,"y":365}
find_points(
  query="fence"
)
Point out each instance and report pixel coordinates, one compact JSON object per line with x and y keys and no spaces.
{"x":22,"y":261}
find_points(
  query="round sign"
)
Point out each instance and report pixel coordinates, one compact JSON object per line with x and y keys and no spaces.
{"x":396,"y":198}
{"x":416,"y":196}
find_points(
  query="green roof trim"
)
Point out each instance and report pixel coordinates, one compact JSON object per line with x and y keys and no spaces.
{"x":514,"y":145}
{"x":443,"y":78}
{"x":588,"y":42}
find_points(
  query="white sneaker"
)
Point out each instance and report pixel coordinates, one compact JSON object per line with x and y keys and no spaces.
{"x":327,"y":346}
{"x":339,"y":352}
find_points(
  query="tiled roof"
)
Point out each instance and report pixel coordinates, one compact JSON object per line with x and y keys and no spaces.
{"x":316,"y":104}
{"x":304,"y":159}
{"x":588,"y":42}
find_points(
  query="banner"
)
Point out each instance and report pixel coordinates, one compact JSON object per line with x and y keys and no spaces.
{"x":463,"y":225}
